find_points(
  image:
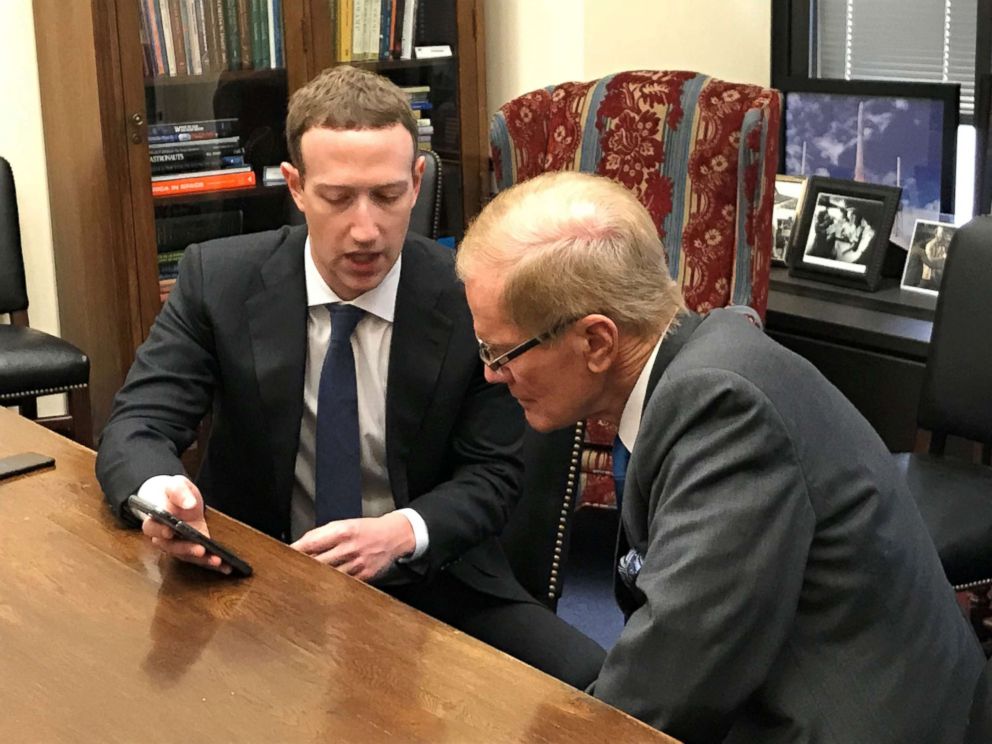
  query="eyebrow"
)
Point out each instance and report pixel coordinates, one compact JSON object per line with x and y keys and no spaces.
{"x":351,"y":187}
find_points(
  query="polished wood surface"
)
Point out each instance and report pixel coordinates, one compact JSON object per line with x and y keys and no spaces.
{"x":104,"y":640}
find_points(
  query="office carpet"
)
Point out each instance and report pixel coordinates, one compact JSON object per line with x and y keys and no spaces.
{"x":587,"y":589}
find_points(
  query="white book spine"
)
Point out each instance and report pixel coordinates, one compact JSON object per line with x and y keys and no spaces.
{"x":409,"y":14}
{"x":170,"y":52}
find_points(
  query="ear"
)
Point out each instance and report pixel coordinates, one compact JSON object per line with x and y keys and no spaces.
{"x":419,"y":163}
{"x":295,"y":183}
{"x":600,"y":340}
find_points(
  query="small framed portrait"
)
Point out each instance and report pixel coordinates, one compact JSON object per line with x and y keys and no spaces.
{"x":842,"y":232}
{"x":788,"y":199}
{"x":927,"y":253}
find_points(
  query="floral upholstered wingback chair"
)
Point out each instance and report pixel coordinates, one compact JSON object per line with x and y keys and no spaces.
{"x":699,"y":153}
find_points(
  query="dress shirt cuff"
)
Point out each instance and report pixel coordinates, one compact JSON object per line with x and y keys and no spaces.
{"x":152,"y":491}
{"x":421,"y":539}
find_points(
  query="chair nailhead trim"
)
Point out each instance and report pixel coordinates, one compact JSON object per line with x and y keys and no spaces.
{"x":972,"y":584}
{"x":566,"y":509}
{"x":41,"y":391}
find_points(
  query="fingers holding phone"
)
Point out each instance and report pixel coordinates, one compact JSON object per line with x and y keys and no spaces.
{"x":180,"y":497}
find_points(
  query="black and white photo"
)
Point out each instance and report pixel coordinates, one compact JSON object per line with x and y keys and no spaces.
{"x":927,"y":253}
{"x":843,"y":231}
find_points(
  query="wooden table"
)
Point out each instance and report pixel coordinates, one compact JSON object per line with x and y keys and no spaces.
{"x":104,"y":640}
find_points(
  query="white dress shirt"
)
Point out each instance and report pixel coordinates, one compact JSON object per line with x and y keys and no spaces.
{"x":630,"y":419}
{"x":370,"y":344}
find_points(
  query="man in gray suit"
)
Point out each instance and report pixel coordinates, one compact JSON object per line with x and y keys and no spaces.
{"x":778,"y":582}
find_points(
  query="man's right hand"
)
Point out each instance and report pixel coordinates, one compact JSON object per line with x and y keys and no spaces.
{"x":180,"y":497}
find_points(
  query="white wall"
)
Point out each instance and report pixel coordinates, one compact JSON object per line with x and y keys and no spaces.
{"x":533,"y":43}
{"x":22,"y":143}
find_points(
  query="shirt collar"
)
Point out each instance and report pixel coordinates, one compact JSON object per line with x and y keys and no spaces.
{"x":630,"y":419}
{"x":380,"y":301}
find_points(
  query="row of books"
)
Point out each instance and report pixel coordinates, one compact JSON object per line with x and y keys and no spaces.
{"x":372,"y":29}
{"x":193,"y":37}
{"x":419,"y":98}
{"x":197,"y":156}
{"x":173,"y":235}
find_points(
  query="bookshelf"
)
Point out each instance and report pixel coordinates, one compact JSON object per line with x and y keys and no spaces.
{"x":107,"y":89}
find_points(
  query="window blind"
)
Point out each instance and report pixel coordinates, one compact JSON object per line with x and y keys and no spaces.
{"x":916,"y":40}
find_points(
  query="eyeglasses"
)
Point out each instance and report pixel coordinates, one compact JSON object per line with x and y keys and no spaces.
{"x":496,"y":363}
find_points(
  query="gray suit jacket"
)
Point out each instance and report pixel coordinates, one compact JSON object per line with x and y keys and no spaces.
{"x":789,"y":591}
{"x":232,"y":340}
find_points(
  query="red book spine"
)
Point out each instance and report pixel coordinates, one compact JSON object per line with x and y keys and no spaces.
{"x":201,"y":184}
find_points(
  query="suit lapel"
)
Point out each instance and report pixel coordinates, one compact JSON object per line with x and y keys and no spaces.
{"x":421,"y":332}
{"x":669,"y":348}
{"x":277,"y":322}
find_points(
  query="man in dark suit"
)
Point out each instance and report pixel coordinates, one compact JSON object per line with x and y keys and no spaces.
{"x":778,"y":581}
{"x":398,"y":465}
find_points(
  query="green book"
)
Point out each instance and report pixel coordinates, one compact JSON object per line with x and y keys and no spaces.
{"x":232,"y":40}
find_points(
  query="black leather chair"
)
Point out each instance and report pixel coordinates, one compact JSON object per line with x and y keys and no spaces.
{"x":426,"y":216}
{"x":33,"y":363}
{"x":535,"y":539}
{"x":955,"y":496}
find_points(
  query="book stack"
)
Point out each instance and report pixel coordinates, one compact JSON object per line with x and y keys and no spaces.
{"x":174,"y":234}
{"x":196,"y":37}
{"x":419,"y":97}
{"x":197,"y":156}
{"x":372,"y":29}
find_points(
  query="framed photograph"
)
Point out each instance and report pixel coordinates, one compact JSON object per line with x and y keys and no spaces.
{"x":843,"y":232}
{"x":927,"y":253}
{"x":886,"y":132}
{"x":788,"y":199}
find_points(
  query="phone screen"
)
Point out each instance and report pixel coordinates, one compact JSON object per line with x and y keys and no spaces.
{"x":187,"y":532}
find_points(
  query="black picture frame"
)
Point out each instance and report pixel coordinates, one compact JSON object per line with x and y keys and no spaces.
{"x":785,"y":211}
{"x":842,"y":233}
{"x":946,"y":95}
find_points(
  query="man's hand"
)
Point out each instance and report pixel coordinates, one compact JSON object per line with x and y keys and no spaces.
{"x":363,"y":548}
{"x":182,"y":498}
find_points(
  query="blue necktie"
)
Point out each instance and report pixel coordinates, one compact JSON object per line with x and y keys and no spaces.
{"x":621,"y":456}
{"x":338,"y":476}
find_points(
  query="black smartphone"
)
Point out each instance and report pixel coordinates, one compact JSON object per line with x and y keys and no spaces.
{"x":190,"y":533}
{"x":22,"y":463}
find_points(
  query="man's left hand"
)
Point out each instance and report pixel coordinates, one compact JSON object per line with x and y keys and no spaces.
{"x":363,"y":548}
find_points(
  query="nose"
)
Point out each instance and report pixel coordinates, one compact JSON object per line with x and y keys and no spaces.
{"x":501,"y":376}
{"x":363,"y":225}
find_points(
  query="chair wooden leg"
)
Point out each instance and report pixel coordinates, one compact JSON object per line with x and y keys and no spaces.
{"x":79,"y":411}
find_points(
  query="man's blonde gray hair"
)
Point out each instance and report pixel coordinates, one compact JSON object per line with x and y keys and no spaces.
{"x":565,"y":245}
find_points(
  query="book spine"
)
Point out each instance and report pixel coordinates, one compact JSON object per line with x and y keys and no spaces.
{"x":385,"y":29}
{"x":244,"y":33}
{"x":216,"y":163}
{"x":202,"y":184}
{"x":203,"y":35}
{"x":192,"y":37}
{"x":178,"y":37}
{"x":195,"y":157}
{"x":406,"y":45}
{"x":224,"y":127}
{"x":218,"y":27}
{"x":149,"y":17}
{"x":374,"y":12}
{"x":260,"y":17}
{"x":166,"y":20}
{"x":345,"y":24}
{"x":397,"y":32}
{"x":357,"y":30}
{"x":275,"y":33}
{"x":233,"y":34}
